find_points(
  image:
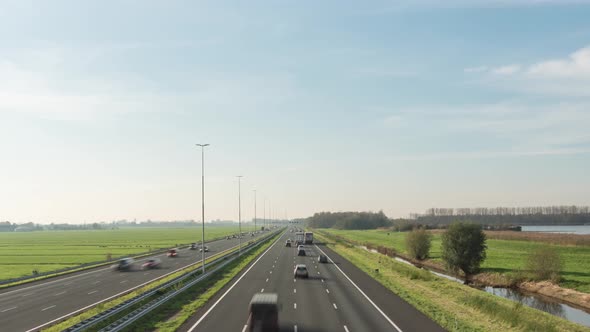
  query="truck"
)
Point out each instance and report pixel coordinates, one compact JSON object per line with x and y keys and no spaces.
{"x":299,"y":238}
{"x":264,"y":312}
{"x":308,"y":237}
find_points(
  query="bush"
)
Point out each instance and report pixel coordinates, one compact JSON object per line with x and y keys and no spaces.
{"x":545,"y":263}
{"x":464,"y":248}
{"x":418,"y":243}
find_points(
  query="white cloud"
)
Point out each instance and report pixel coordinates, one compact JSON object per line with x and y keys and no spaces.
{"x":492,"y":154}
{"x":502,"y":130}
{"x":506,"y":70}
{"x":479,"y":69}
{"x":568,"y":76}
{"x":576,"y":65}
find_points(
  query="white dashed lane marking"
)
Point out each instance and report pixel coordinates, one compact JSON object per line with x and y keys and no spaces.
{"x":334,"y":304}
{"x":53,"y":306}
{"x":5,"y":310}
{"x":94,"y":291}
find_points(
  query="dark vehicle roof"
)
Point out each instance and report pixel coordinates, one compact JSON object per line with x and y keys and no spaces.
{"x":264,"y":300}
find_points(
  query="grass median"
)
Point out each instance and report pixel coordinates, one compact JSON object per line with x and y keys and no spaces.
{"x":170,"y":316}
{"x":453,"y":306}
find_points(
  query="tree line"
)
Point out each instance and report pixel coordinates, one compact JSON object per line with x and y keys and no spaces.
{"x":348,"y":220}
{"x":531,"y":215}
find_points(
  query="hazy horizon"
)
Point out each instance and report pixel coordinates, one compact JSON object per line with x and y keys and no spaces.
{"x":397,"y":106}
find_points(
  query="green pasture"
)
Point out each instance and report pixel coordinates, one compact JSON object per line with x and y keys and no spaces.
{"x":503,"y":256}
{"x":21,"y":253}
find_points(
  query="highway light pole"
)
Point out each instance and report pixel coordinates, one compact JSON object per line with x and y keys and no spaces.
{"x":264,"y":213}
{"x":203,"y":202}
{"x":240,"y":213}
{"x":255,"y":230}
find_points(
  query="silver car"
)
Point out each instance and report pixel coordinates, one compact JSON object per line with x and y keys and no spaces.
{"x":300,"y":271}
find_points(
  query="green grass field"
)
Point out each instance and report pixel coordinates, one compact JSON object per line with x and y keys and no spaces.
{"x":452,"y":305}
{"x":503,"y":256}
{"x":21,"y":253}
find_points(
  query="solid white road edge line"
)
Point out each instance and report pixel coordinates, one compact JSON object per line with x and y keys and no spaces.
{"x":112,"y":297}
{"x":232,"y":286}
{"x":360,"y":290}
{"x":90,"y":272}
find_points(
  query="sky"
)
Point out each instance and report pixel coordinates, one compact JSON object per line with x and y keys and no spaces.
{"x":396,"y":106}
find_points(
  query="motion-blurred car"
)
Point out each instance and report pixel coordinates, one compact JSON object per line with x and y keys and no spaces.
{"x":172,"y":253}
{"x":151,"y":264}
{"x":124,"y":264}
{"x":300,"y":251}
{"x":206,"y":249}
{"x":323,"y":259}
{"x":264,"y":313}
{"x":288,"y":243}
{"x":193,"y":246}
{"x":300,"y":271}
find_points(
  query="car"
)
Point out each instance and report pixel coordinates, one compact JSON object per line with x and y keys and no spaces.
{"x":206,"y":249}
{"x":193,"y":246}
{"x":288,"y":243}
{"x":172,"y":253}
{"x":153,"y":263}
{"x":300,"y":271}
{"x":124,"y":264}
{"x":228,"y":238}
{"x":300,"y":251}
{"x":264,"y":313}
{"x":323,"y":259}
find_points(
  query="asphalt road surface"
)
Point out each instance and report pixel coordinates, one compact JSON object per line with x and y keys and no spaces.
{"x":337,"y":296}
{"x":28,"y":307}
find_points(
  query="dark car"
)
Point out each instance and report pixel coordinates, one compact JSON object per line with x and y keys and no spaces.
{"x":288,"y":243}
{"x":151,"y":264}
{"x":300,"y":251}
{"x":193,"y":246}
{"x":206,"y":249}
{"x":323,"y":259}
{"x":264,"y":313}
{"x":124,"y":264}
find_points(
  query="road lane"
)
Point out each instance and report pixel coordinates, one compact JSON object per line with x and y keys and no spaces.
{"x":327,"y":301}
{"x":43,"y":301}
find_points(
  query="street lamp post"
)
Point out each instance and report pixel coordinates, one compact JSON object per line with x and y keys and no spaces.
{"x":255,"y":230}
{"x":203,"y":203}
{"x":240,"y":213}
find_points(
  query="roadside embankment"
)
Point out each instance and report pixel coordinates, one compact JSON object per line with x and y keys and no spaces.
{"x":452,"y":305}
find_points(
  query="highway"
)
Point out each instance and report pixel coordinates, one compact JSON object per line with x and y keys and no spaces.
{"x":336,"y":297}
{"x":30,"y":306}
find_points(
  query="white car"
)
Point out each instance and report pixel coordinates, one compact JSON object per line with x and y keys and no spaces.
{"x":300,"y":271}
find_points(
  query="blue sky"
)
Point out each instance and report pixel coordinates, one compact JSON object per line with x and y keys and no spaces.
{"x":333,"y":106}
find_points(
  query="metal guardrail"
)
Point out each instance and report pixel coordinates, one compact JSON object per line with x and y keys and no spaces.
{"x":146,"y":308}
{"x":89,"y":265}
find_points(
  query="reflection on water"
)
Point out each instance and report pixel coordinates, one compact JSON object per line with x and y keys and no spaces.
{"x":544,"y":304}
{"x":574,"y":229}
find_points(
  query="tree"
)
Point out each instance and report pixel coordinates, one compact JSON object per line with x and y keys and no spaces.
{"x":418,"y":243}
{"x":464,"y":248}
{"x":545,"y":264}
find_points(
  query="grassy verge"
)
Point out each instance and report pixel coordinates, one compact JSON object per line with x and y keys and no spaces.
{"x":107,"y":305}
{"x":47,"y":251}
{"x":453,"y":306}
{"x":173,"y":314}
{"x":505,"y":258}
